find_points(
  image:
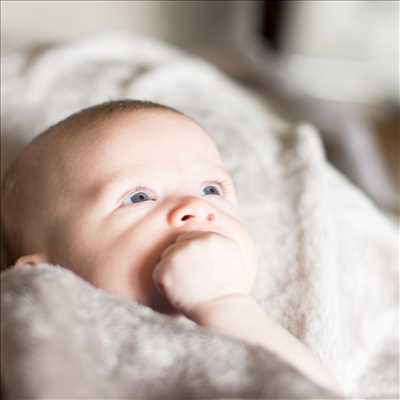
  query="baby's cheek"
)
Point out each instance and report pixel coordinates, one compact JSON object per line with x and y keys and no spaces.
{"x":62,"y":250}
{"x":227,"y":208}
{"x":129,"y":260}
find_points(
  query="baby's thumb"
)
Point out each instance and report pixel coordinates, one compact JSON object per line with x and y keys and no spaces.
{"x":156,"y":278}
{"x":159,"y":278}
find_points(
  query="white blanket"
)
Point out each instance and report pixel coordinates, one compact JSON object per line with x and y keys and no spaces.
{"x":64,"y":339}
{"x":328,"y":261}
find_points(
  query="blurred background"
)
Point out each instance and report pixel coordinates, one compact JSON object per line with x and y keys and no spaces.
{"x":332,"y":63}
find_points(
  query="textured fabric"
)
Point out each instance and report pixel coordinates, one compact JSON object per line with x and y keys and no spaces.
{"x":63,"y":338}
{"x":328,"y":262}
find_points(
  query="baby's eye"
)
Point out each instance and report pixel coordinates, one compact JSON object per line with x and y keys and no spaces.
{"x":211,"y":189}
{"x":138,"y":196}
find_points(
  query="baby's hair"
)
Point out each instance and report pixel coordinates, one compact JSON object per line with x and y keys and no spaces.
{"x":13,"y":190}
{"x":109,"y":109}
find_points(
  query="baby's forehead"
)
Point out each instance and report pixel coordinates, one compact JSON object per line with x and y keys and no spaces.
{"x":139,"y":138}
{"x":144,"y":130}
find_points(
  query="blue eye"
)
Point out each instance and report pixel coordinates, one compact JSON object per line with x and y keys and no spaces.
{"x":139,"y":197}
{"x":211,"y":189}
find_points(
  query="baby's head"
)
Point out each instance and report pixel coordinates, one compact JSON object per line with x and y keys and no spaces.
{"x":105,"y":191}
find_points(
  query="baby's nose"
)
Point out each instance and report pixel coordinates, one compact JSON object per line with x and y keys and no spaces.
{"x":189,"y":210}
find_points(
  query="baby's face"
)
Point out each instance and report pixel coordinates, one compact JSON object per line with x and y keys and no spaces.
{"x":127,"y":190}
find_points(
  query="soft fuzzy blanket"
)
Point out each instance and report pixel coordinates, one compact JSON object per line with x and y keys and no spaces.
{"x":328,"y":261}
{"x":64,"y":339}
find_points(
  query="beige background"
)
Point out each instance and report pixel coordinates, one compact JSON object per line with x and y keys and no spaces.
{"x":186,"y":23}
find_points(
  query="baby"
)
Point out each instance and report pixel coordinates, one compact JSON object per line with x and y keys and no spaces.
{"x":134,"y":198}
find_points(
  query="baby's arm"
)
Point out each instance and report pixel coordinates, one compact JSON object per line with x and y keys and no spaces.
{"x":203,"y":275}
{"x":241,"y":317}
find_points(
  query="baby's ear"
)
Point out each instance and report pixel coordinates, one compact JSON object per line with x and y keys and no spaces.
{"x":31,"y":259}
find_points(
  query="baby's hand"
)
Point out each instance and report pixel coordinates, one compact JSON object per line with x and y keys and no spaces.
{"x":200,"y":267}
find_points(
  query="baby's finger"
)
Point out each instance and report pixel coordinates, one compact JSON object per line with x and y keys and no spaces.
{"x":156,"y":276}
{"x":167,"y":251}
